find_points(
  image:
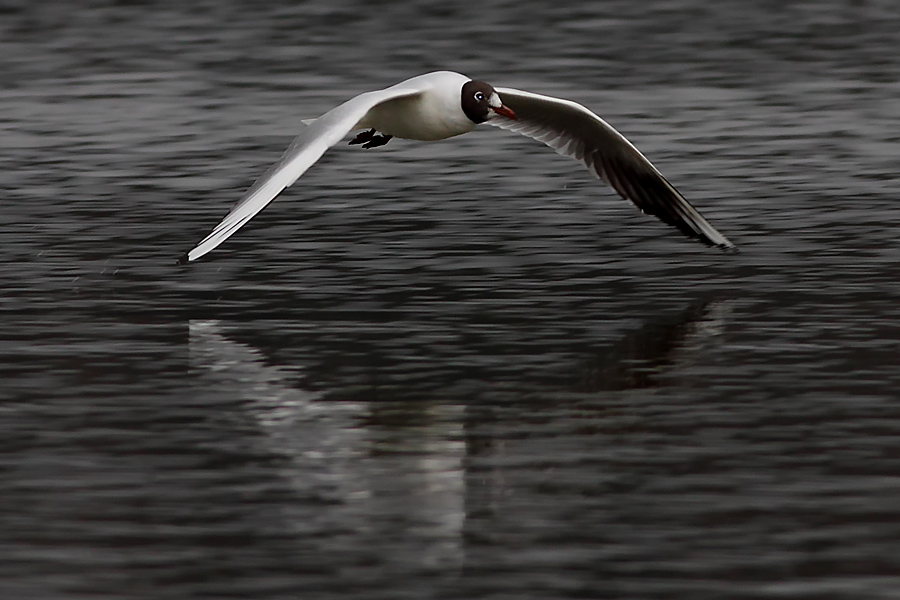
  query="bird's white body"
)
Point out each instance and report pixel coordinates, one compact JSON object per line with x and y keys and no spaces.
{"x":432,"y":114}
{"x":434,"y":107}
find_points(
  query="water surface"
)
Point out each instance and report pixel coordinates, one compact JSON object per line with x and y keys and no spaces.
{"x":456,"y":370}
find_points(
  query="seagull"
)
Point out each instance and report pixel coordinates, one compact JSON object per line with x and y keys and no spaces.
{"x":444,"y":104}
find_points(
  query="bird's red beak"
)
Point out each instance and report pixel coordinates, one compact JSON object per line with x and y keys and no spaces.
{"x":506,"y":112}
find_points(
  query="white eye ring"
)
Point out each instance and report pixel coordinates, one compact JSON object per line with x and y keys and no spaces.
{"x":479,"y":96}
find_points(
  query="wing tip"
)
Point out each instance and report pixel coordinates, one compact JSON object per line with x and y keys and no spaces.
{"x":716,"y":241}
{"x":183,"y":259}
{"x":710,"y":235}
{"x":729,"y":248}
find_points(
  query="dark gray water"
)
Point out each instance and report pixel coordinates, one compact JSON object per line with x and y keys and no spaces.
{"x":462,"y":369}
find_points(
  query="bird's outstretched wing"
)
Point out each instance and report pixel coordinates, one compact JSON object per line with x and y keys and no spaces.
{"x":319,"y":135}
{"x":573,"y":130}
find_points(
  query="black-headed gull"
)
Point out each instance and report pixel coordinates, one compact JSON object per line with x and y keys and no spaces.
{"x":439,"y":105}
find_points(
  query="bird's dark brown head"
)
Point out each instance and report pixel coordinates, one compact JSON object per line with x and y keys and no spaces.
{"x":480,"y":100}
{"x":476,"y":96}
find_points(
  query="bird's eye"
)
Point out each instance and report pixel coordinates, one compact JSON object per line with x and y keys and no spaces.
{"x":479,"y":96}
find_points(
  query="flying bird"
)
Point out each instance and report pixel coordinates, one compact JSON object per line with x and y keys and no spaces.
{"x":443,"y":104}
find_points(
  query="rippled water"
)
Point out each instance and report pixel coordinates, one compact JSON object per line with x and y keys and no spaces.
{"x":457,"y":370}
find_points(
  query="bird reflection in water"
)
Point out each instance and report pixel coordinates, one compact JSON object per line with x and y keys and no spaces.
{"x":372,"y":487}
{"x":413,"y":475}
{"x":658,"y":349}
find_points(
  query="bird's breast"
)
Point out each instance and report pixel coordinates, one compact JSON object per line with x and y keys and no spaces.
{"x":425,"y":117}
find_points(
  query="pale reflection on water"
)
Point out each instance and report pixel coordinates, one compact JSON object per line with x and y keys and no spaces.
{"x":370,"y":484}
